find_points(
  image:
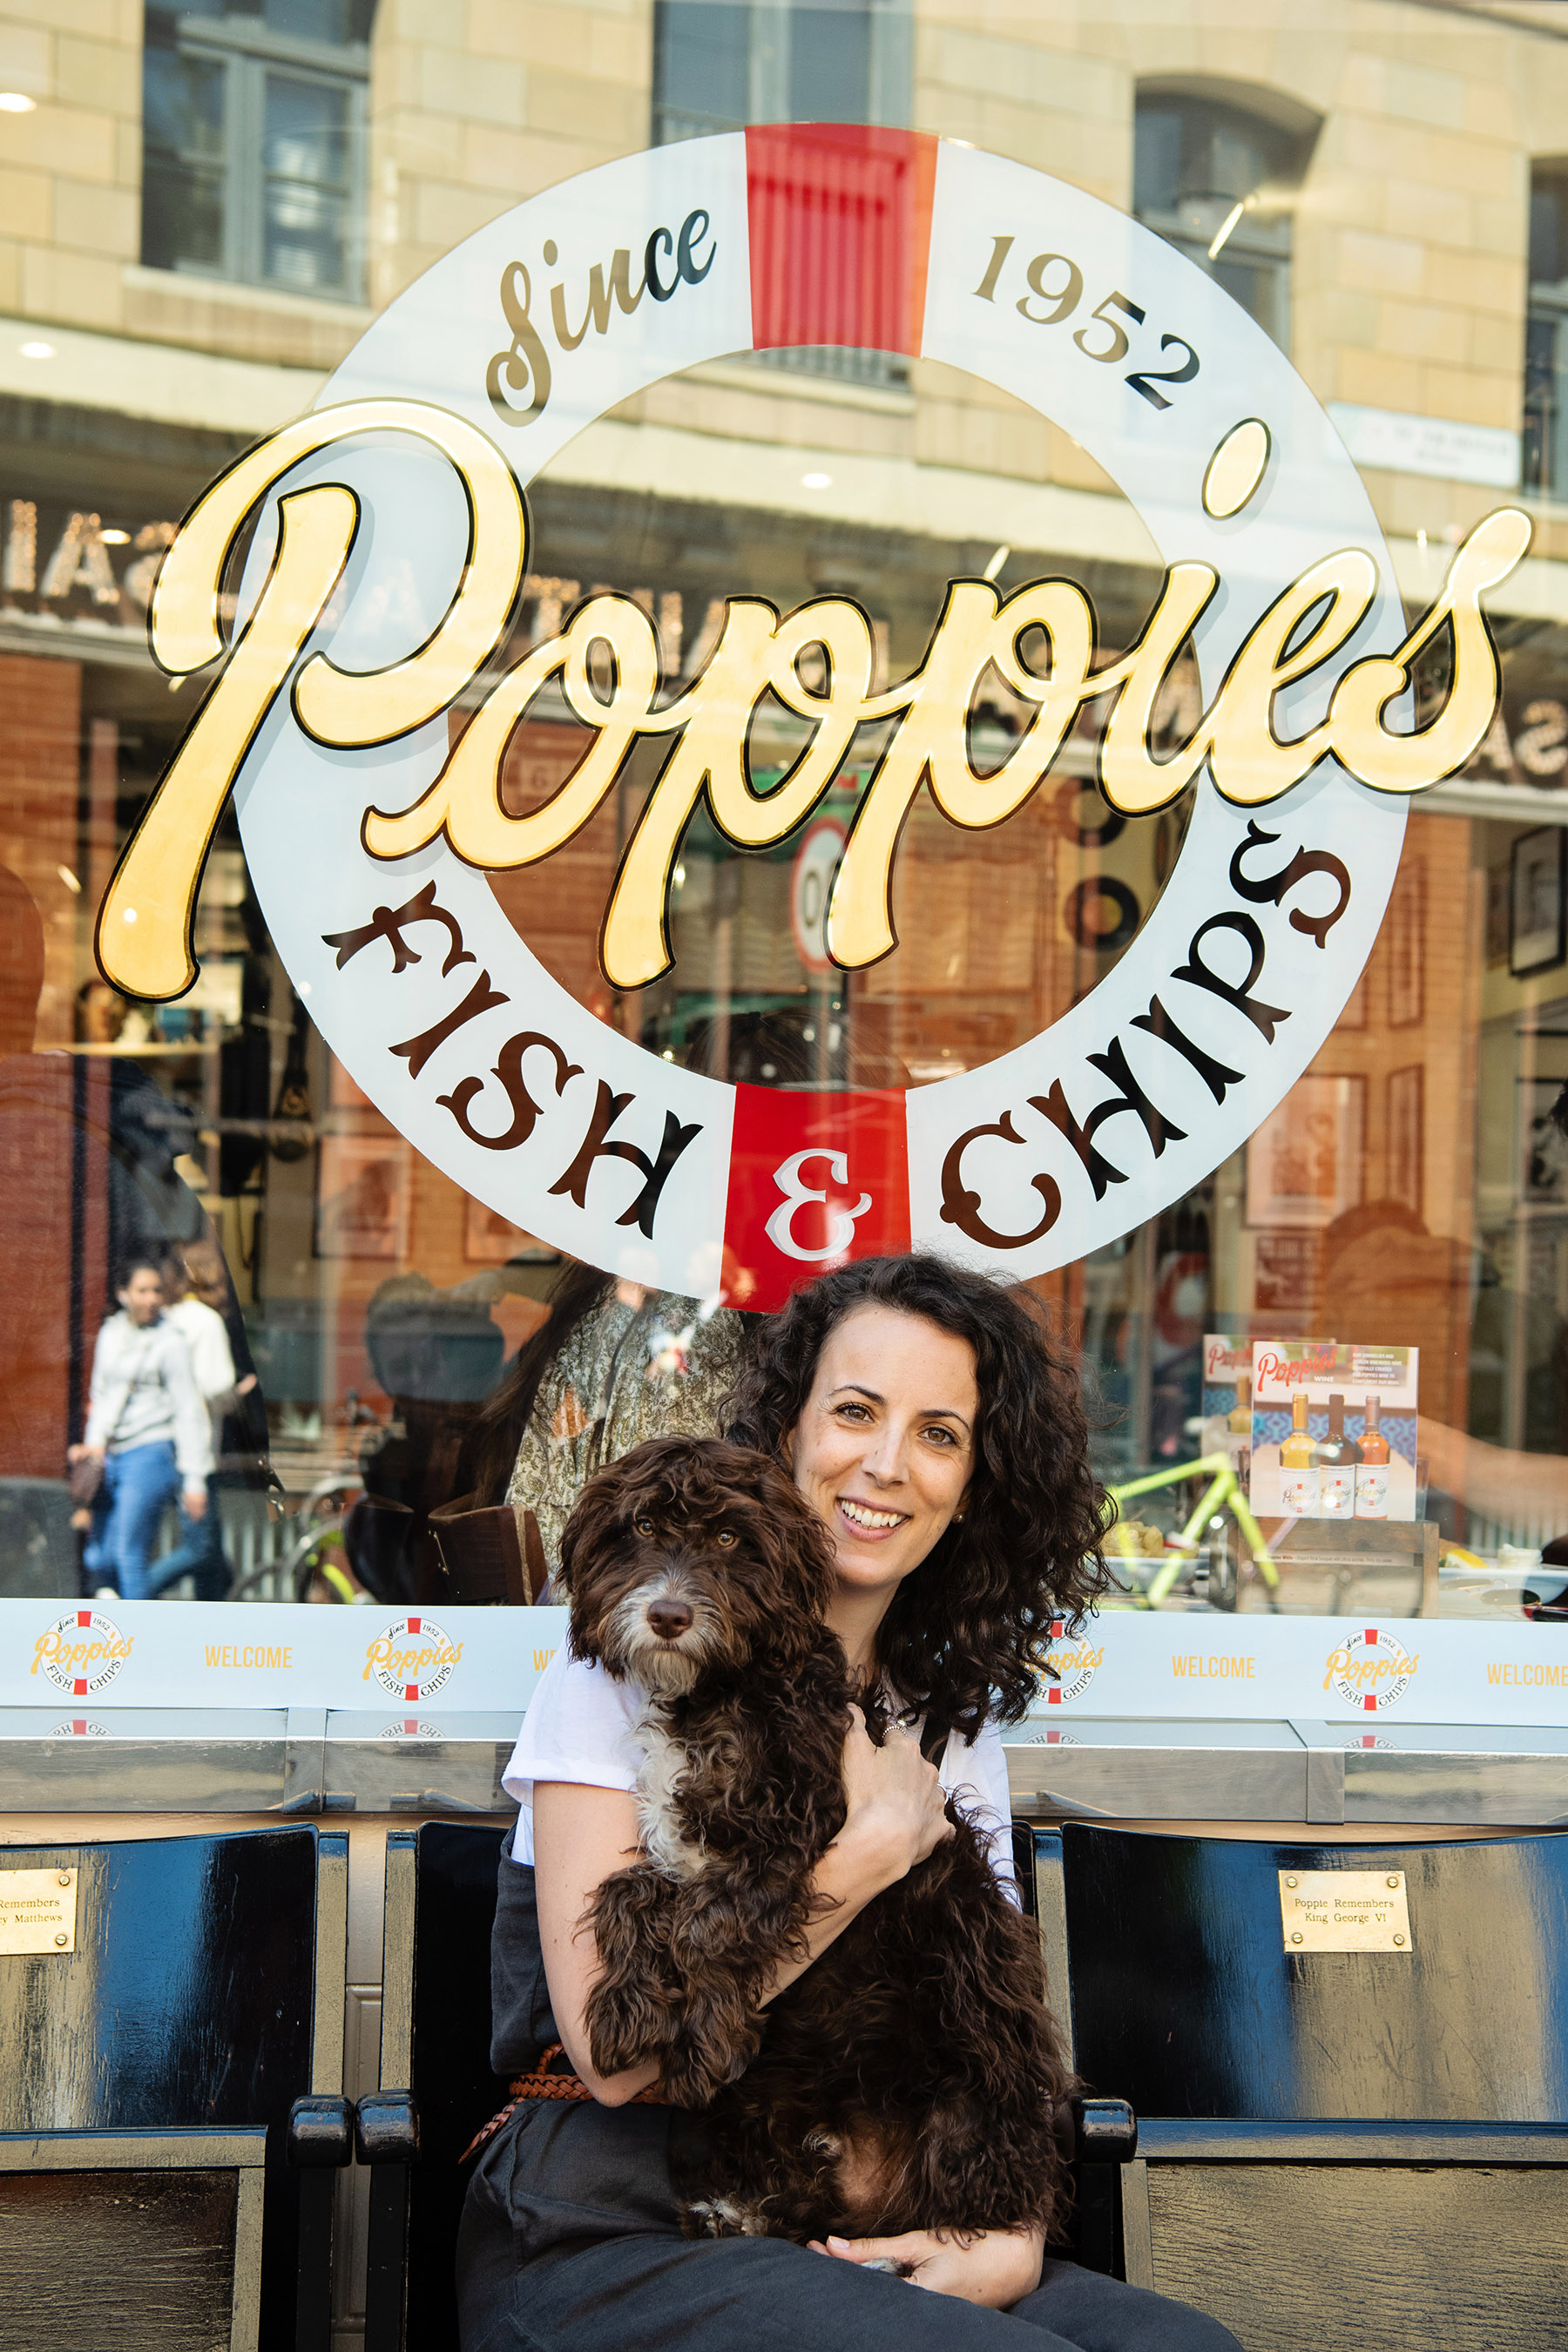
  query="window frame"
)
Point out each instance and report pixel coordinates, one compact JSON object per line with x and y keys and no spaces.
{"x":1263,"y":241}
{"x":247,"y":54}
{"x":1545,"y":307}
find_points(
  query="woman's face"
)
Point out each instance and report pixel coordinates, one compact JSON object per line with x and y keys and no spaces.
{"x":884,"y":1449}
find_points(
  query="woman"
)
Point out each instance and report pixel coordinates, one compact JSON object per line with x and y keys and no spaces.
{"x":196,"y":1290}
{"x":615,"y":1363}
{"x":147,"y":1428}
{"x":924,"y":1415}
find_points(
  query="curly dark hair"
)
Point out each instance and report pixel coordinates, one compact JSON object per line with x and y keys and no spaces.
{"x":968,"y":1631}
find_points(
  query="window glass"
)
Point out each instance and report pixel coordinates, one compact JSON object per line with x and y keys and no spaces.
{"x":183,"y":185}
{"x":1399,"y":1207}
{"x":830,"y":65}
{"x":1219,"y":183}
{"x":305,"y":156}
{"x":702,"y":60}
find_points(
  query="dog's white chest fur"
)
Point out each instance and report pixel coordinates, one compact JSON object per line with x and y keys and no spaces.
{"x":659,"y":1783}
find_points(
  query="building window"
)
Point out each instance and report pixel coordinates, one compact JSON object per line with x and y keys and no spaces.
{"x":719,"y":65}
{"x":1546,"y":334}
{"x":252,"y":143}
{"x":1218,"y":182}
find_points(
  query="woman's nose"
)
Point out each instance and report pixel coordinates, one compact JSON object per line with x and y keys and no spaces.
{"x":883,"y":1458}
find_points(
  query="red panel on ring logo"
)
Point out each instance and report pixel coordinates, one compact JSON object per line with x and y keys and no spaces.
{"x":813,"y":1179}
{"x":839,"y":218}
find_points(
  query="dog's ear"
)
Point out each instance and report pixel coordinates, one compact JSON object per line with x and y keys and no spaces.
{"x":797,"y":1557}
{"x":590,"y":1543}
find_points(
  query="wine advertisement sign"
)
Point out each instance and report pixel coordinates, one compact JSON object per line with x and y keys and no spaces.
{"x":390,"y":539}
{"x":1333,"y":1430}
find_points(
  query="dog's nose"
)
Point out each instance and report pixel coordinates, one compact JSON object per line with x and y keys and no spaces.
{"x":668,"y":1617}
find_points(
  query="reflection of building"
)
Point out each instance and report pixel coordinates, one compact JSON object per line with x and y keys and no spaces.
{"x":204,"y":224}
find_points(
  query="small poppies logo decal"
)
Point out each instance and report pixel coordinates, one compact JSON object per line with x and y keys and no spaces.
{"x":81,"y":1653}
{"x":411,"y":1660}
{"x":1074,"y":1662}
{"x":1369,"y":1670}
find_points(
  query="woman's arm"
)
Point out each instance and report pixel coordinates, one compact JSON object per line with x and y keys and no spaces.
{"x":582,"y":1835}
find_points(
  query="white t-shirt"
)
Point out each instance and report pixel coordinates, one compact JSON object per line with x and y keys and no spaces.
{"x":579,"y":1728}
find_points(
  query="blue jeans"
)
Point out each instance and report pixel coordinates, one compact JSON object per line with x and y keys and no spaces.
{"x":200,"y":1555}
{"x":138,"y":1487}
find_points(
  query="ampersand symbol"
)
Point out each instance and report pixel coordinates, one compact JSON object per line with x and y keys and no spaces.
{"x":840,"y":1224}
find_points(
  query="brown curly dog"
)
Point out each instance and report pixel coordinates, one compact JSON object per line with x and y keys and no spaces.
{"x":909,"y":2079}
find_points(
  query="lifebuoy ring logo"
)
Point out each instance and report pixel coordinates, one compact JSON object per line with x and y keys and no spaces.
{"x":411,"y":1660}
{"x":389,"y":548}
{"x":81,"y":1653}
{"x":1076,"y":1665}
{"x":1369,"y":1670}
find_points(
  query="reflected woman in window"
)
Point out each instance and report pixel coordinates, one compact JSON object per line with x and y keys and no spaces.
{"x":615,"y":1363}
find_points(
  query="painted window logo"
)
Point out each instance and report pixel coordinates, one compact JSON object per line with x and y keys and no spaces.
{"x":1075,"y":1666}
{"x":1369,"y":1670}
{"x":82,"y":1653}
{"x":412,"y":470}
{"x":411,"y":1660}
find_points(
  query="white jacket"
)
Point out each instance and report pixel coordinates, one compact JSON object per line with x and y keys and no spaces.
{"x":205,"y":1334}
{"x":144,"y":1392}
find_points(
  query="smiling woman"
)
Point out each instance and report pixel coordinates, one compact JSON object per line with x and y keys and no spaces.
{"x":935,"y":1434}
{"x":914,"y":1393}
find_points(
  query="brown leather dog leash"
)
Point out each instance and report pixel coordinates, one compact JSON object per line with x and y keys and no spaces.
{"x":542,"y":2084}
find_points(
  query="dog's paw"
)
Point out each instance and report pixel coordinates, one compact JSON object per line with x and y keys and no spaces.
{"x":726,"y":2217}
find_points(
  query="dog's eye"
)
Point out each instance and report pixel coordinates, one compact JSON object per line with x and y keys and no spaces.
{"x":726,"y":1537}
{"x":642,"y":1526}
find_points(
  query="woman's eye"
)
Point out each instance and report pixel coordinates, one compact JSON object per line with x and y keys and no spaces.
{"x":726,"y":1537}
{"x":642,"y":1526}
{"x":942,"y":1436}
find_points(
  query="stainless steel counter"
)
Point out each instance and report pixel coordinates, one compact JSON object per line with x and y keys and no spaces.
{"x":307,"y":1762}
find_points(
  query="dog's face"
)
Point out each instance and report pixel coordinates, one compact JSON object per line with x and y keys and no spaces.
{"x":691,"y":1554}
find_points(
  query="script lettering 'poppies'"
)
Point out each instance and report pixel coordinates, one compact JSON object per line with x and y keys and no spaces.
{"x":145,"y":931}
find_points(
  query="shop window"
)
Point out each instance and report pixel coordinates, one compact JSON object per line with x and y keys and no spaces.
{"x":1546,"y":333}
{"x":719,"y":65}
{"x":252,"y":143}
{"x":1219,"y":183}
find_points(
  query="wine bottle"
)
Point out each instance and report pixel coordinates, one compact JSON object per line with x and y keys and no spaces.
{"x":1298,"y":1465}
{"x":1371,"y":1472}
{"x":1336,"y":1457}
{"x":1238,"y":1427}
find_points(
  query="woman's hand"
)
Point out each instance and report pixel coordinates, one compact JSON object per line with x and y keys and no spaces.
{"x":995,"y":2269}
{"x":895,"y":1815}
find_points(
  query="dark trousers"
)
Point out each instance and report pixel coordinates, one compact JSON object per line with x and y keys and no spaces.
{"x":569,"y":2245}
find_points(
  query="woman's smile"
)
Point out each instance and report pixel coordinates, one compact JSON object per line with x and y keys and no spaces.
{"x":867,"y":1519}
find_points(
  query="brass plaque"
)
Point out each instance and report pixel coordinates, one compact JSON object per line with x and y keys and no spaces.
{"x":37,"y":1911}
{"x":1344,"y":1911}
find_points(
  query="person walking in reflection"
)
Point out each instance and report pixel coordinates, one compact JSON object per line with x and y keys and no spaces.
{"x":148,"y":1427}
{"x":197,"y":1320}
